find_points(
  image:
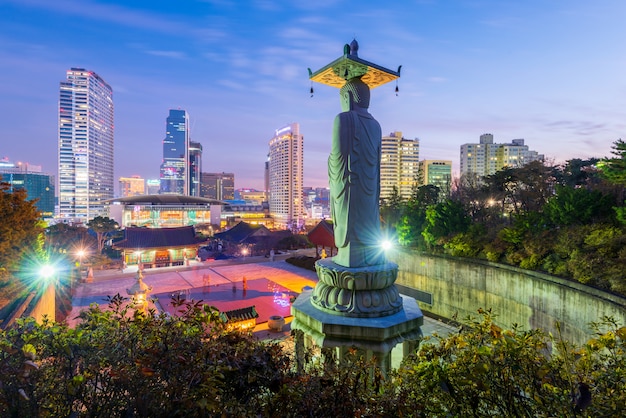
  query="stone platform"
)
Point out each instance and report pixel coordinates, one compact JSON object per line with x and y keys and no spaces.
{"x":375,"y":336}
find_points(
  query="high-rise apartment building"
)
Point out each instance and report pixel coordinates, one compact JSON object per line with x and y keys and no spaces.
{"x":486,"y":157}
{"x":219,"y":186}
{"x":399,"y":165}
{"x":436,"y":172}
{"x":175,"y":165}
{"x":195,"y":168}
{"x":286,"y":172}
{"x":132,"y":186}
{"x":85,"y":177}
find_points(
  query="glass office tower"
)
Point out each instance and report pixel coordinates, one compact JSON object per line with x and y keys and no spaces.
{"x":174,"y":169}
{"x":85,"y":146}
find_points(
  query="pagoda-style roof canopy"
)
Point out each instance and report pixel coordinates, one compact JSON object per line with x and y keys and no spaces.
{"x":349,"y":66}
{"x":145,"y":238}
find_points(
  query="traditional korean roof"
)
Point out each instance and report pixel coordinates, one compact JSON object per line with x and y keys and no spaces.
{"x":134,"y":237}
{"x":243,"y":232}
{"x":323,"y":234}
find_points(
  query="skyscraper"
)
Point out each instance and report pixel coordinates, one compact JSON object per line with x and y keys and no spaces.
{"x":175,"y":165}
{"x":195,"y":168}
{"x":399,"y":164}
{"x":286,"y":172}
{"x":85,"y":146}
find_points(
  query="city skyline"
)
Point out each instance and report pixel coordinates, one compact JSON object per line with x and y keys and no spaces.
{"x":548,"y":73}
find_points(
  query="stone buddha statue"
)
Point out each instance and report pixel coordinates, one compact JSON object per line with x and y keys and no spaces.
{"x":354,"y":177}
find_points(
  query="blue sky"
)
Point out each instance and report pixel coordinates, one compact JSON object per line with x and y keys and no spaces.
{"x":549,"y":71}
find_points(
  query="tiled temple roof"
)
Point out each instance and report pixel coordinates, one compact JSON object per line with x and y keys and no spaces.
{"x":158,"y":238}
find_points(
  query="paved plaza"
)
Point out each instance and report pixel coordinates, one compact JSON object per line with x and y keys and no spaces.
{"x":269,"y":287}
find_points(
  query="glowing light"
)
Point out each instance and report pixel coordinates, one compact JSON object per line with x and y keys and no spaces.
{"x":386,"y":244}
{"x":46,"y":271}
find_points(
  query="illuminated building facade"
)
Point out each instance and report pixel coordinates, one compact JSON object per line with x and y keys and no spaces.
{"x":399,"y":165}
{"x":195,"y":168}
{"x":220,"y":186}
{"x":286,"y":172}
{"x":438,"y":173}
{"x":175,"y":166}
{"x":165,"y":211}
{"x":85,"y":143}
{"x":38,"y":185}
{"x":153,"y":186}
{"x":486,"y":157}
{"x":132,"y":186}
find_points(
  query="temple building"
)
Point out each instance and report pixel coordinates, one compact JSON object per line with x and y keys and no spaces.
{"x":162,"y":247}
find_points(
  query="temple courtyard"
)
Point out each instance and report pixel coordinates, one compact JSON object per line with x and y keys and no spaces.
{"x":269,"y":286}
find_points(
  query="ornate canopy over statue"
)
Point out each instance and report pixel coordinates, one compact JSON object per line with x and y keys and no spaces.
{"x":350,"y":66}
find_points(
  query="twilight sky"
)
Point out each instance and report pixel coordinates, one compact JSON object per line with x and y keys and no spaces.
{"x":549,"y":71}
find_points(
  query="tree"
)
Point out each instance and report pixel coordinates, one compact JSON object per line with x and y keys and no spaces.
{"x":20,"y":229}
{"x":614,"y":168}
{"x":570,"y":206}
{"x":102,"y":226}
{"x":486,"y":371}
{"x":577,"y":172}
{"x":443,"y":220}
{"x":391,"y":209}
{"x":62,"y":238}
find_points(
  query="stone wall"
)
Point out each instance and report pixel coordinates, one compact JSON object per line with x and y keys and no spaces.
{"x":455,"y":287}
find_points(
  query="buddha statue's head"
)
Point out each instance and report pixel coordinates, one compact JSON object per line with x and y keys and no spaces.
{"x":355,"y":93}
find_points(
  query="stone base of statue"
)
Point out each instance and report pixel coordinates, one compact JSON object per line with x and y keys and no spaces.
{"x":362,"y":292}
{"x":358,"y":308}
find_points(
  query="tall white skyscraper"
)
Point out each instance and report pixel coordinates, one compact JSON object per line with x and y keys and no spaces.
{"x":399,"y":165}
{"x":286,"y":172}
{"x":85,"y":146}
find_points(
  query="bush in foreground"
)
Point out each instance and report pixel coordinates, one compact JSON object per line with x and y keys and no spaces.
{"x":118,"y":363}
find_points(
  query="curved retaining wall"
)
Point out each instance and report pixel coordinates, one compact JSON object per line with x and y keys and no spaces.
{"x":449,"y":286}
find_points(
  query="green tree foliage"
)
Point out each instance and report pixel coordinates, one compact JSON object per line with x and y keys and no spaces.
{"x":117,"y":363}
{"x":614,"y":168}
{"x":102,"y":226}
{"x":20,"y":230}
{"x":577,"y":206}
{"x":485,"y":371}
{"x":443,"y":220}
{"x":577,"y":172}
